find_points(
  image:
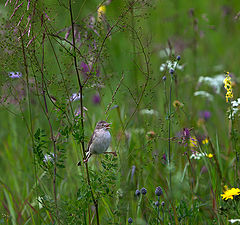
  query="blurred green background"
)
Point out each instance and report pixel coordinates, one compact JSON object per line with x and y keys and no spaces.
{"x":206,"y":36}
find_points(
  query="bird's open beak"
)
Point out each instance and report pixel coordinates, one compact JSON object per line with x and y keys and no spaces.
{"x":108,"y":125}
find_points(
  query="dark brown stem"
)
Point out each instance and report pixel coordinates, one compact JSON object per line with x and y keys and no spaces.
{"x":81,"y":106}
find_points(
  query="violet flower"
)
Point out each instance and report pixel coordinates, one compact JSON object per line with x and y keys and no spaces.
{"x":96,"y":99}
{"x":205,"y":115}
{"x":15,"y":74}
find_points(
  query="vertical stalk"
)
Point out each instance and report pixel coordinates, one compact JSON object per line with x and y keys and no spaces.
{"x":51,"y":129}
{"x":131,"y":3}
{"x":233,"y":138}
{"x":81,"y":106}
{"x":30,"y":118}
{"x":169,"y":133}
{"x":158,"y":212}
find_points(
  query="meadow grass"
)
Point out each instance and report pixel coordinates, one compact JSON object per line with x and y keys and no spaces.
{"x":157,"y":70}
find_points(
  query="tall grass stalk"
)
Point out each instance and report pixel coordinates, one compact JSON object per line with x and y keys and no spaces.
{"x":95,"y":201}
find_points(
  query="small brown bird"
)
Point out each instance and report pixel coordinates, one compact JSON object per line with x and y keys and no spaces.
{"x":99,"y":141}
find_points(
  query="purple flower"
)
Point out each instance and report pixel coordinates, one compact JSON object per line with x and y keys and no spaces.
{"x":158,"y":191}
{"x":157,"y":203}
{"x":205,"y":115}
{"x":130,"y":220}
{"x":144,"y":191}
{"x":132,"y":172}
{"x":171,"y":71}
{"x":15,"y":74}
{"x":85,"y":68}
{"x":75,"y":97}
{"x":186,"y":133}
{"x":137,"y":192}
{"x":96,"y":99}
{"x":164,"y":158}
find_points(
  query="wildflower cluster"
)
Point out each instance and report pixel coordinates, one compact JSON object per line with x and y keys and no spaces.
{"x":230,"y":193}
{"x":235,"y":108}
{"x":199,"y":155}
{"x":101,"y":11}
{"x":193,"y":143}
{"x":214,"y":82}
{"x":228,"y":86}
{"x":205,"y":141}
{"x":143,"y":191}
{"x":171,"y":65}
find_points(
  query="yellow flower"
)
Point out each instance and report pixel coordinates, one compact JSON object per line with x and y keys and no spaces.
{"x":225,"y":187}
{"x":101,"y":11}
{"x":177,"y":104}
{"x":210,"y":155}
{"x":230,"y":193}
{"x":228,"y":86}
{"x":205,"y":141}
{"x":193,"y":142}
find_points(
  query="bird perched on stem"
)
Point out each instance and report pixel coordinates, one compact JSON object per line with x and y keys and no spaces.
{"x":99,"y":141}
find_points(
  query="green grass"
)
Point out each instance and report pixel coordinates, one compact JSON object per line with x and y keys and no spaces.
{"x":206,"y":36}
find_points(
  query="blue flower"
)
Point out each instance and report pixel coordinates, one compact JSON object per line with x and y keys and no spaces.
{"x":15,"y":74}
{"x":137,"y":192}
{"x":158,"y":191}
{"x":130,"y":220}
{"x":144,"y":191}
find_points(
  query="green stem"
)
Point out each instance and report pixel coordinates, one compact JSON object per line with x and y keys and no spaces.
{"x":169,"y":133}
{"x":158,"y":211}
{"x":233,"y":138}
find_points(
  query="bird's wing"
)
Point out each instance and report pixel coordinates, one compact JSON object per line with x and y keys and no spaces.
{"x":90,"y":142}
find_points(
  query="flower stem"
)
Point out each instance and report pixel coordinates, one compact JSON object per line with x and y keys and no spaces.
{"x":169,"y":134}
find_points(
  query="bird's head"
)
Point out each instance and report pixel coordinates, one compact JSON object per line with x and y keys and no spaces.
{"x":103,"y":124}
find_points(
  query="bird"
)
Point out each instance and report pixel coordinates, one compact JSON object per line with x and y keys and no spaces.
{"x":100,"y":140}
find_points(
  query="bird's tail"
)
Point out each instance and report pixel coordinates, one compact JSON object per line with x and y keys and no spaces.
{"x":88,"y":155}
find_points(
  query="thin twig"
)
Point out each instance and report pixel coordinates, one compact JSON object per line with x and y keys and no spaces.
{"x":51,"y":129}
{"x":114,"y":94}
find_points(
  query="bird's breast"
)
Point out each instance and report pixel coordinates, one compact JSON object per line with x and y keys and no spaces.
{"x":101,"y":142}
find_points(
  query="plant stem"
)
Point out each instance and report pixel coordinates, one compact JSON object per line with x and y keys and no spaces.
{"x":81,"y":106}
{"x":158,"y":211}
{"x":233,"y":138}
{"x":51,"y":130}
{"x":30,"y":118}
{"x":169,"y":133}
